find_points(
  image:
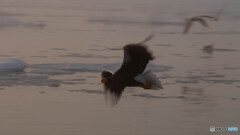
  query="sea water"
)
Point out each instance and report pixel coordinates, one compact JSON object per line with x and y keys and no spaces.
{"x":53,"y":51}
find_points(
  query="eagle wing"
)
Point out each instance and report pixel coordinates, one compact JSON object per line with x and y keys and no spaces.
{"x":113,"y":91}
{"x":136,"y":58}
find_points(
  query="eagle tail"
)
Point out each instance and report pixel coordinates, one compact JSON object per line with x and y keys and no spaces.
{"x":150,"y":79}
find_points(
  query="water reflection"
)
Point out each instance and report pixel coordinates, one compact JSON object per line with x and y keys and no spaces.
{"x":7,"y":20}
{"x":88,"y":91}
{"x":195,"y":95}
{"x":147,"y":95}
{"x":207,"y":77}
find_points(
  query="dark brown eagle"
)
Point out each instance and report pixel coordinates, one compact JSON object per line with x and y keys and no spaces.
{"x":130,"y":74}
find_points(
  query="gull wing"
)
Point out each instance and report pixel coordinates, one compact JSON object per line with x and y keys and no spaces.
{"x":187,"y":26}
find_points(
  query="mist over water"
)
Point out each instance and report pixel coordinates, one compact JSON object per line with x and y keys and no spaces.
{"x":53,"y":51}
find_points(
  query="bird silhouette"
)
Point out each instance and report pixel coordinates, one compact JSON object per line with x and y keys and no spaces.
{"x":131,"y":73}
{"x":190,"y":21}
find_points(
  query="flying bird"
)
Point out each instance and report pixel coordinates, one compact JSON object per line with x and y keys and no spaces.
{"x":201,"y":18}
{"x":217,"y":16}
{"x":189,"y":22}
{"x":131,"y":72}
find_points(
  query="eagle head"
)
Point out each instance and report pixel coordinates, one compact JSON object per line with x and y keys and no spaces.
{"x":105,"y":75}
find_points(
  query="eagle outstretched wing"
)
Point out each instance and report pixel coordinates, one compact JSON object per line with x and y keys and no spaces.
{"x":136,"y":58}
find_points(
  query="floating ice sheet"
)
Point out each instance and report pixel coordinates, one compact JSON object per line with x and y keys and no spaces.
{"x":12,"y":65}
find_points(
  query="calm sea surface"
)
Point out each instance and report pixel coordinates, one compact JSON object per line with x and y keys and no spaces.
{"x":66,"y":44}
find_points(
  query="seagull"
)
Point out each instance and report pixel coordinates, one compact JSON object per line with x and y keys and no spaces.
{"x":189,"y":22}
{"x":201,"y":18}
{"x":131,"y":73}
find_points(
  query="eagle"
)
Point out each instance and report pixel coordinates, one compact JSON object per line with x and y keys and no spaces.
{"x":131,"y":73}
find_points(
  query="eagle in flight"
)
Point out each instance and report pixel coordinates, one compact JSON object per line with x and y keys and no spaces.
{"x":131,"y":73}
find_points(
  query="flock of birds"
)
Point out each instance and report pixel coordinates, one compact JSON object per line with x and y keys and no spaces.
{"x":136,"y":57}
